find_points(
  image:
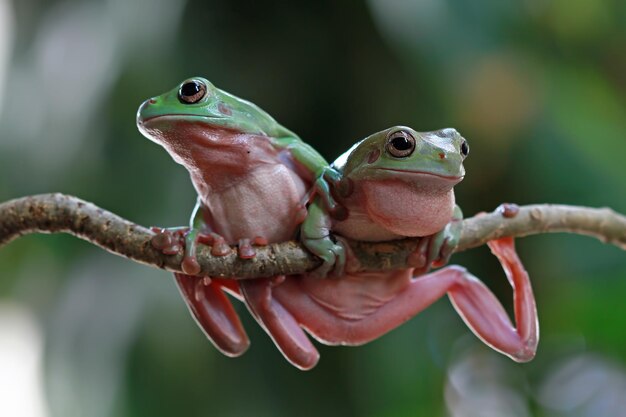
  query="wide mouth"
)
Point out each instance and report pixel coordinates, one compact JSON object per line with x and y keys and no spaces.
{"x":423,"y":173}
{"x":178,"y":116}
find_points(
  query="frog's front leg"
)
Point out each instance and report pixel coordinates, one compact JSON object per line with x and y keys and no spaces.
{"x":170,"y":240}
{"x":204,"y":296}
{"x":315,"y":236}
{"x":214,"y":312}
{"x":316,"y":168}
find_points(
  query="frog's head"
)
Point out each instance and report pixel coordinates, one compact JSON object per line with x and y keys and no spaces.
{"x":401,"y":152}
{"x":405,"y":178}
{"x":197,"y":103}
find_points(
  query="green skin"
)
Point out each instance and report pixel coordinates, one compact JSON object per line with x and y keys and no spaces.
{"x":368,"y":168}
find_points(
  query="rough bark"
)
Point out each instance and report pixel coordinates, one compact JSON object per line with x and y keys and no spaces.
{"x":59,"y":213}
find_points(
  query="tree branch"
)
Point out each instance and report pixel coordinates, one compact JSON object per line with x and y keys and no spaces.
{"x":59,"y":213}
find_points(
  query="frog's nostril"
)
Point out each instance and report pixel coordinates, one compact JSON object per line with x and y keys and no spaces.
{"x":152,"y":101}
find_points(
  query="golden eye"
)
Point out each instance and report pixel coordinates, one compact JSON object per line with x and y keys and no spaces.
{"x":191,"y":92}
{"x":400,"y":144}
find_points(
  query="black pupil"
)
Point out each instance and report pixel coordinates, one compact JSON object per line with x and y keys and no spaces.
{"x":401,"y":143}
{"x":190,"y":89}
{"x":464,"y":148}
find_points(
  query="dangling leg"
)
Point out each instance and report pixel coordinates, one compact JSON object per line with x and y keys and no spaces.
{"x":486,"y":317}
{"x":329,"y":313}
{"x":328,"y":308}
{"x":279,"y":323}
{"x":214,"y":313}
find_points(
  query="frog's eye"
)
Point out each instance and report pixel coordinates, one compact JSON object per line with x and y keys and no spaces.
{"x":191,"y":92}
{"x":400,"y":144}
{"x":464,"y":149}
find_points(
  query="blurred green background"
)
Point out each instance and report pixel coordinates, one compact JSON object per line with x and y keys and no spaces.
{"x":537,"y":87}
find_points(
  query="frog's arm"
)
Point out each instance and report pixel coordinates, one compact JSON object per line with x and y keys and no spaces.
{"x":321,"y":171}
{"x":315,"y":236}
{"x":190,"y":264}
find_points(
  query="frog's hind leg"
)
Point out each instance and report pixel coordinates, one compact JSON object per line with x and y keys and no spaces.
{"x":491,"y":322}
{"x":474,"y":302}
{"x":279,"y":323}
{"x":214,"y":313}
{"x":484,"y":314}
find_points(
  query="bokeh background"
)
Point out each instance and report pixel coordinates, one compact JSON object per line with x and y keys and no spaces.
{"x":537,"y":87}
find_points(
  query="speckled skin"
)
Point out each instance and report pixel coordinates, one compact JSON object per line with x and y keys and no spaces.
{"x":387,"y":198}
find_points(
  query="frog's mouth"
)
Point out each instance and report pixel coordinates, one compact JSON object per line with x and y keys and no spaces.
{"x":408,"y":172}
{"x":179,"y":117}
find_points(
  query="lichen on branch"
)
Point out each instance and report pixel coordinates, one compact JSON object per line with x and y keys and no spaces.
{"x":60,"y":213}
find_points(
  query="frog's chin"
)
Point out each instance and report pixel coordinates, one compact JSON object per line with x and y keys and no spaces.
{"x":408,"y":209}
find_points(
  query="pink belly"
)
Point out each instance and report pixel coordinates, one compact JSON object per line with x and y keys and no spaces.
{"x":264,"y":203}
{"x":354,"y":297}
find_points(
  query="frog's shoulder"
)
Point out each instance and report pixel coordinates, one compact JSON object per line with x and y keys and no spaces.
{"x":266,"y":124}
{"x":340,"y":163}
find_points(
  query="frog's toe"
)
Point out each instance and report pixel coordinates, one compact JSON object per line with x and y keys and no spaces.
{"x":334,"y":262}
{"x":190,"y":265}
{"x":245,"y":249}
{"x":322,"y":270}
{"x":167,"y":241}
{"x":418,"y":258}
{"x":328,"y":251}
{"x":218,"y":244}
{"x":340,"y":260}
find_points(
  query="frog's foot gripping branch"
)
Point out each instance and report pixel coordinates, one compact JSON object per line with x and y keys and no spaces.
{"x":315,"y":235}
{"x":170,"y":241}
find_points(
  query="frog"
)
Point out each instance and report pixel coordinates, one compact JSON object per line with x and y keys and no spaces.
{"x":394,"y":184}
{"x":253,"y":178}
